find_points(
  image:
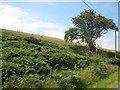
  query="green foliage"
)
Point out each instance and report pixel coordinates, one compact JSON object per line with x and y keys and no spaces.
{"x":63,"y":61}
{"x":103,"y":69}
{"x":31,"y":81}
{"x":50,"y":83}
{"x":68,"y":79}
{"x":72,"y":82}
{"x":115,"y":61}
{"x":110,"y":82}
{"x":100,"y":70}
{"x":27,"y":60}
{"x":71,"y":34}
{"x":106,"y":53}
{"x":31,"y":40}
{"x":83,"y":63}
{"x":78,"y":49}
{"x":89,"y":27}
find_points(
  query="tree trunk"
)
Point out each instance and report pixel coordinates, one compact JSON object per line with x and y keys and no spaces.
{"x":91,"y":48}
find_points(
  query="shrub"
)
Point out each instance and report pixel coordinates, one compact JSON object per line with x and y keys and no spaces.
{"x":83,"y":63}
{"x":87,"y":76}
{"x":111,"y":68}
{"x":73,"y":82}
{"x":115,"y":61}
{"x":10,"y":69}
{"x":100,"y":70}
{"x":49,"y":84}
{"x":31,"y":40}
{"x":63,"y":61}
{"x":103,"y":69}
{"x":31,"y":81}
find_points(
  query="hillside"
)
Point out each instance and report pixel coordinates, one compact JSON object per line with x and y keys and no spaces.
{"x":34,"y":61}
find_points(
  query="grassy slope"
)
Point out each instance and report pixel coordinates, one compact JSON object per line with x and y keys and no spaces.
{"x":74,"y":47}
{"x":62,"y":43}
{"x":110,"y":82}
{"x":51,"y":39}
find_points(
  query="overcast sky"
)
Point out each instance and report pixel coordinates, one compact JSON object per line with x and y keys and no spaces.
{"x":53,"y":18}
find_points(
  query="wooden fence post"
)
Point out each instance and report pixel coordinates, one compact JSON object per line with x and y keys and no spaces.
{"x":50,"y":72}
{"x":75,"y":67}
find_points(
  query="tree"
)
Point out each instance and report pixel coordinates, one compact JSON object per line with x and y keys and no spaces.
{"x":91,"y":27}
{"x":71,"y":34}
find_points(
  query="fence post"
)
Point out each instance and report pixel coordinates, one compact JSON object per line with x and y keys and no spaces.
{"x":50,"y":72}
{"x":75,"y":67}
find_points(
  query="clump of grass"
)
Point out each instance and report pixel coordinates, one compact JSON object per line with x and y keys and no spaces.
{"x":110,"y":82}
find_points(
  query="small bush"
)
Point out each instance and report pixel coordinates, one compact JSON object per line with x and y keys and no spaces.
{"x":71,"y":82}
{"x":111,"y":68}
{"x":31,"y":40}
{"x":88,"y":76}
{"x":115,"y":61}
{"x":31,"y":81}
{"x":64,"y":61}
{"x":49,"y":83}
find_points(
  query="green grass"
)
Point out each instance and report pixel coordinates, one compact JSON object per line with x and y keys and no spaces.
{"x":110,"y":82}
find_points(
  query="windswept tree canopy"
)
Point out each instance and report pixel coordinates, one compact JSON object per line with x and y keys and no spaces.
{"x":71,"y":34}
{"x":91,"y":27}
